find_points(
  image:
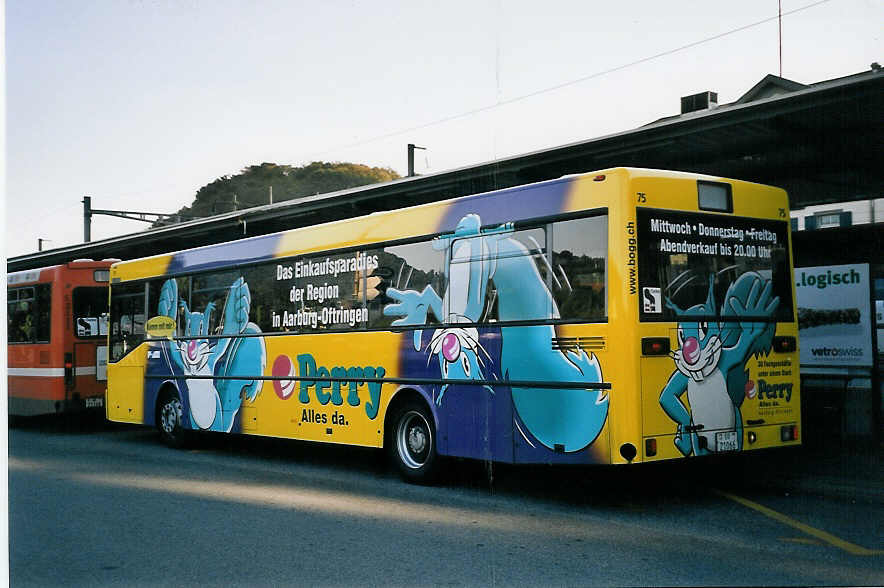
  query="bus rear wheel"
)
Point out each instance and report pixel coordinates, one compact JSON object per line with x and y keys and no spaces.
{"x":169,"y":416}
{"x":413,"y":443}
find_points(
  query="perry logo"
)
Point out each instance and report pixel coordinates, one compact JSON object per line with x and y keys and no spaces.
{"x":335,"y":385}
{"x":282,"y":367}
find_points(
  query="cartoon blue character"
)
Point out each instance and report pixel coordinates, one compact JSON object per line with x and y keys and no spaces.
{"x":458,"y":351}
{"x":473,"y":258}
{"x":711,"y":363}
{"x":215,"y":402}
{"x":567,"y":417}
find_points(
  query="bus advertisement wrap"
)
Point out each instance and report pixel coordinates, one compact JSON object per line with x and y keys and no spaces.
{"x":834,"y":315}
{"x":502,"y":327}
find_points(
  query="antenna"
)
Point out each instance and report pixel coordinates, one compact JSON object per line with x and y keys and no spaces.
{"x":780,"y":19}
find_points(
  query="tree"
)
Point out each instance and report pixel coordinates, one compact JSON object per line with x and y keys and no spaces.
{"x":251,"y":187}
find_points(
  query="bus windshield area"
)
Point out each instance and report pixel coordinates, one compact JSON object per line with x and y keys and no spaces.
{"x":715,"y":266}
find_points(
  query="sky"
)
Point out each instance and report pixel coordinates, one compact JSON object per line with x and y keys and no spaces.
{"x":138,"y":104}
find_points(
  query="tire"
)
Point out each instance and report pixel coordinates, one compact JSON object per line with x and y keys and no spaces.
{"x":412,"y":443}
{"x":169,"y":416}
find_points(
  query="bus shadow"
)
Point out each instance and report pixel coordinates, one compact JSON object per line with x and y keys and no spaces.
{"x":637,"y":486}
{"x":83,"y":423}
{"x":690,"y":481}
{"x":288,"y":451}
{"x":678,"y":481}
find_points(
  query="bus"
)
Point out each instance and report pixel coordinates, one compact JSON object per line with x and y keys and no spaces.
{"x":619,"y":316}
{"x":56,"y":325}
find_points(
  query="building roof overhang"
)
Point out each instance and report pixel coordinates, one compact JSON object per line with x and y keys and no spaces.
{"x":810,"y":141}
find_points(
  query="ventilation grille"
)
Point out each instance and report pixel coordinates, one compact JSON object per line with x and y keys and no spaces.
{"x":576,"y":343}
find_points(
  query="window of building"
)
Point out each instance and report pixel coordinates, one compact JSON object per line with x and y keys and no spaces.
{"x":829,"y":219}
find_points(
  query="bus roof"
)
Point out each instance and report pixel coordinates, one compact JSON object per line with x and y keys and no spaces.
{"x":537,"y":200}
{"x":47,"y":273}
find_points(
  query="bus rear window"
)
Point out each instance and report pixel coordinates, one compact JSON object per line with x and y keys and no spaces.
{"x":716,"y":266}
{"x":90,"y":312}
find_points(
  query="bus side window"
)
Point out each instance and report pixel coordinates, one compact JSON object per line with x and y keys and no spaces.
{"x":28,"y":314}
{"x":155,"y":291}
{"x":579,"y":263}
{"x":19,"y":320}
{"x":528,"y":255}
{"x":269,"y":293}
{"x":127,"y":315}
{"x":409,"y":268}
{"x":44,"y":312}
{"x":11,"y":301}
{"x":204,"y":314}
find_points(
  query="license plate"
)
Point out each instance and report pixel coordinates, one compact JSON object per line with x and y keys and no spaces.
{"x":726,"y":441}
{"x":94,"y":402}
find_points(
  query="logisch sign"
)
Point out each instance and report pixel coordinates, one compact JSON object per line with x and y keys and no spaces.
{"x":834,"y":315}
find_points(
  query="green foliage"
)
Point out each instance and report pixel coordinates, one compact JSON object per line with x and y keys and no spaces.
{"x":251,"y":187}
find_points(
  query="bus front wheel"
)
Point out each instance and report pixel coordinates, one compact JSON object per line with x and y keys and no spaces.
{"x":169,"y":416}
{"x":413,"y":443}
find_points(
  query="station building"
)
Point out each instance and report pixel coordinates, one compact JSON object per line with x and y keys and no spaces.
{"x":822,"y":142}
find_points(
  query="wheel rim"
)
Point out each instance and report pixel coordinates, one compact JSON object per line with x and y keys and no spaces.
{"x":414,"y":441}
{"x":170,"y":416}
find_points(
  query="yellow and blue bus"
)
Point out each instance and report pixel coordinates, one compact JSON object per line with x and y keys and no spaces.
{"x":620,"y":316}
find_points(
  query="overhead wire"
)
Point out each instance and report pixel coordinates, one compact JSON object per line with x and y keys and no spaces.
{"x":499,"y":103}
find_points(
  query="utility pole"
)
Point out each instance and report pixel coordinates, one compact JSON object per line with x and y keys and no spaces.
{"x":146,"y":217}
{"x":411,"y":148}
{"x":87,"y":219}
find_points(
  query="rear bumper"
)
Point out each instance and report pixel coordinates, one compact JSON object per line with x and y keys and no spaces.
{"x":19,"y":406}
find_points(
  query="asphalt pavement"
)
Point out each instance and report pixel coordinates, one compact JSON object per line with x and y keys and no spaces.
{"x":846,"y":470}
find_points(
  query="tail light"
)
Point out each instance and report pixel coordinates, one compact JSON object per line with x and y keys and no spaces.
{"x":655,"y":346}
{"x":68,"y":370}
{"x":789,"y":433}
{"x":784,"y":344}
